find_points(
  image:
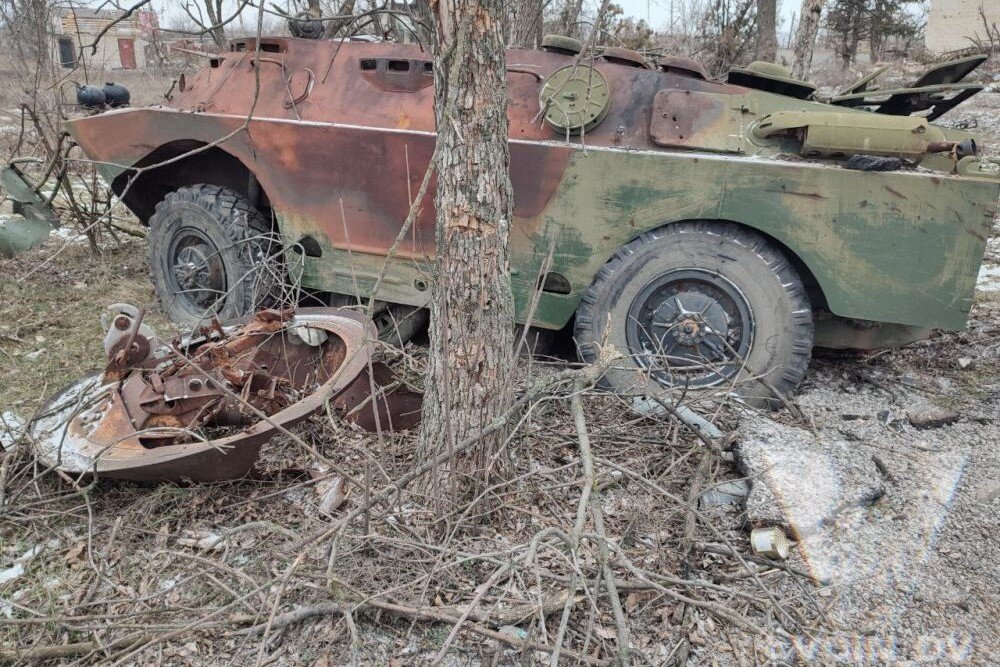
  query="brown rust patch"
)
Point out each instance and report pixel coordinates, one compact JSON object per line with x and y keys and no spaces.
{"x":686,"y":119}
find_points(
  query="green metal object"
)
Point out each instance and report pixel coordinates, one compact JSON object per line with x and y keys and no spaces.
{"x":575,"y":98}
{"x":18,"y":233}
{"x":861,"y":85}
{"x":562,"y":44}
{"x":33,"y":218}
{"x":771,"y":77}
{"x":840,"y":134}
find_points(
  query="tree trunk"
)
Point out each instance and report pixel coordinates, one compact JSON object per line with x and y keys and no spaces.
{"x":346,"y":8}
{"x":213,"y":8}
{"x":471,"y":352}
{"x":767,"y":30}
{"x":569,"y":18}
{"x":805,"y":37}
{"x":526,"y":23}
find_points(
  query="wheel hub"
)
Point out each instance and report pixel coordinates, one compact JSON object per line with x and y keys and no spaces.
{"x":196,"y":270}
{"x":690,"y":327}
{"x":690,"y":318}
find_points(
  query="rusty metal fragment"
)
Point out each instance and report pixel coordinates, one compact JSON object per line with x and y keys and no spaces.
{"x":201,"y":408}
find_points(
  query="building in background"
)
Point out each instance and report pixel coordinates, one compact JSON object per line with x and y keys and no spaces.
{"x":122,"y":46}
{"x":957,"y":24}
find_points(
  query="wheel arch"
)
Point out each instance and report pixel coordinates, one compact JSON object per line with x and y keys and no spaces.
{"x":192,"y":162}
{"x":814,"y":288}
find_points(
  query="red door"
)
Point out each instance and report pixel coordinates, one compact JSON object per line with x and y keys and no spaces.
{"x":126,"y":52}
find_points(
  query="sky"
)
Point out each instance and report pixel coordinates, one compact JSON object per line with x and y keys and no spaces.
{"x":657,"y":12}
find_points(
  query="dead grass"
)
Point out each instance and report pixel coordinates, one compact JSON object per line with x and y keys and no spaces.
{"x":50,"y":330}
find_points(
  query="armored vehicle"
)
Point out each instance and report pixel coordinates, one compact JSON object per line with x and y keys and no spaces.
{"x":714,"y":231}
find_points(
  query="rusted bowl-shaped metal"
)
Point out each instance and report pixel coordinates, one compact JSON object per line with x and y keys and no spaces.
{"x":87,"y":428}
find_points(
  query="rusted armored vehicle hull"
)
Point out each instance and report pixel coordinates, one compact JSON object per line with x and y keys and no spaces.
{"x":337,"y":141}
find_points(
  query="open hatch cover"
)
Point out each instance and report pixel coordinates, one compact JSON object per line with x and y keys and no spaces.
{"x":938,"y":90}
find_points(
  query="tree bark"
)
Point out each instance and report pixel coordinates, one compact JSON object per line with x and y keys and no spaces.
{"x":526,"y":23}
{"x":805,"y":37}
{"x":767,"y":30}
{"x":471,"y":352}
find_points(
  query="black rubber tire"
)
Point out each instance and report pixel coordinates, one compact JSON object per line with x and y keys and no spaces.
{"x":398,"y":324}
{"x":783,"y":324}
{"x":243,"y":239}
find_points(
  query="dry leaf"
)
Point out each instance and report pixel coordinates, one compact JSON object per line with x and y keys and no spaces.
{"x":73,"y":555}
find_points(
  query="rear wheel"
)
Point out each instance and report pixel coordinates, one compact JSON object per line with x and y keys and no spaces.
{"x":700,"y":306}
{"x":211,"y":252}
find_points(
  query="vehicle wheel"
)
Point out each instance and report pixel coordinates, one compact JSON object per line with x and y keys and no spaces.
{"x":212,"y":252}
{"x":700,"y":306}
{"x":398,"y":324}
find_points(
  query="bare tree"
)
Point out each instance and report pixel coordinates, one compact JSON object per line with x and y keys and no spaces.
{"x":569,"y":18}
{"x":471,"y":353}
{"x":345,"y":8}
{"x":848,"y":21}
{"x":212,"y":21}
{"x":805,"y":37}
{"x":767,"y":30}
{"x":526,"y":23}
{"x":727,"y":31}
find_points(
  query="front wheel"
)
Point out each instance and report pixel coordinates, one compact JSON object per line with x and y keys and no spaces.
{"x":699,"y":307}
{"x":212,"y":253}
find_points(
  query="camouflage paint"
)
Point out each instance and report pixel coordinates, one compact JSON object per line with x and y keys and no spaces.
{"x":341,"y":164}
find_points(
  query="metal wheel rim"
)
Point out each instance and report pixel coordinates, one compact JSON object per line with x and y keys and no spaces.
{"x":196,"y":271}
{"x":690,"y":327}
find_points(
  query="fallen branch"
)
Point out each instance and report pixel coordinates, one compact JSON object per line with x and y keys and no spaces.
{"x":604,"y":555}
{"x":723,"y":550}
{"x":70,"y":650}
{"x":413,"y":613}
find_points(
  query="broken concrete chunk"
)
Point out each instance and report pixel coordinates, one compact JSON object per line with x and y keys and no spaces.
{"x":11,"y":429}
{"x":202,"y":540}
{"x":651,"y":407}
{"x":332,"y":493}
{"x":929,"y":415}
{"x":800,"y":481}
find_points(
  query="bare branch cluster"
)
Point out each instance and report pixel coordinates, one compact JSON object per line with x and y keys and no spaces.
{"x":600,"y":552}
